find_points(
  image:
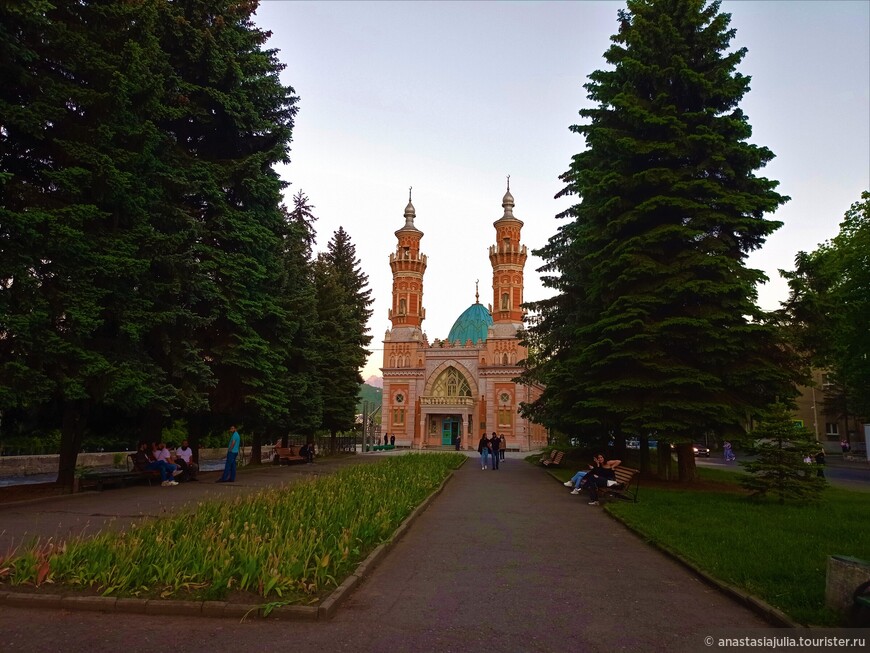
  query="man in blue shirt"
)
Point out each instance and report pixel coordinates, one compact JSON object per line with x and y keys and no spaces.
{"x":229,"y":475}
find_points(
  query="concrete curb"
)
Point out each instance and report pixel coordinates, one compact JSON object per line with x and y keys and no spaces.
{"x":221,"y":609}
{"x":766,"y":611}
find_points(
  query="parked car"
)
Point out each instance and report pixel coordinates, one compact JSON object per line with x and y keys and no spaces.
{"x":701,"y":450}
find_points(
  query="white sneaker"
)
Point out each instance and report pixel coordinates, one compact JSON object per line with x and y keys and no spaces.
{"x":575,"y":491}
{"x":172,"y":482}
{"x":593,"y":503}
{"x":568,"y":484}
{"x":166,"y":483}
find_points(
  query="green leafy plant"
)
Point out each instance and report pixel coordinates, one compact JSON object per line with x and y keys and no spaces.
{"x":291,"y":545}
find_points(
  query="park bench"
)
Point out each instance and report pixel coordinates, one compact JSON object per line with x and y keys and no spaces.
{"x":626,"y":477}
{"x":554,"y":460}
{"x":287,"y":455}
{"x":100,"y":479}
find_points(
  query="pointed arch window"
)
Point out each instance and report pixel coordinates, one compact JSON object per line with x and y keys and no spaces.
{"x":451,"y":383}
{"x":505,"y":301}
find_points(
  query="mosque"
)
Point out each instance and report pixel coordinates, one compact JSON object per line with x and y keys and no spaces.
{"x":454,"y":390}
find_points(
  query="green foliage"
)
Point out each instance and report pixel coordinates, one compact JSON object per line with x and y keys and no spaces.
{"x":295,"y":545}
{"x":148,"y":267}
{"x":827,"y":309}
{"x":654,"y":325}
{"x":343,"y":306}
{"x":779,"y":469}
{"x":776,"y":552}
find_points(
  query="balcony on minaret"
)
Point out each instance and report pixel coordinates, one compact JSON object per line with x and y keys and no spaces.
{"x":508,"y":253}
{"x":408,"y":255}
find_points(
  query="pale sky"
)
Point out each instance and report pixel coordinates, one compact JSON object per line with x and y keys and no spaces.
{"x":450,"y":97}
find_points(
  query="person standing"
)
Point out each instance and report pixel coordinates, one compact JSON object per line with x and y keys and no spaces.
{"x":502,"y":445}
{"x":729,"y":452}
{"x":820,"y":461}
{"x":494,"y":442}
{"x":458,"y":441}
{"x":229,"y":475}
{"x":483,"y":448}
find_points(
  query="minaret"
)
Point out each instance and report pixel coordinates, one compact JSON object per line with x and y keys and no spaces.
{"x":408,"y":267}
{"x":508,"y":258}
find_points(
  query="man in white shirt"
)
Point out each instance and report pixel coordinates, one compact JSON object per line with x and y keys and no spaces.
{"x":184,"y":459}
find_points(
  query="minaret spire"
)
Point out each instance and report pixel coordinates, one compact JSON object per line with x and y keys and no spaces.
{"x":476,"y":294}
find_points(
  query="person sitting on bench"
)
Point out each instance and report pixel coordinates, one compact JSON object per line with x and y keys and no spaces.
{"x":600,"y":474}
{"x":574,"y":483}
{"x":184,"y":459}
{"x":144,"y":460}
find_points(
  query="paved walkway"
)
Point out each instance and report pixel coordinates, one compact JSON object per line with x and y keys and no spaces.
{"x":502,"y":560}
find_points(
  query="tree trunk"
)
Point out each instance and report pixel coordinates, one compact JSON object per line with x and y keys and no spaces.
{"x":151,"y":427}
{"x":686,"y":463}
{"x":75,"y":416}
{"x":195,"y":431}
{"x":256,"y":449}
{"x":645,"y":466}
{"x":663,"y":458}
{"x":619,"y":448}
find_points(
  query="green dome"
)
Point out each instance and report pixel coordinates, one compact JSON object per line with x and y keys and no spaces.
{"x":471,"y":325}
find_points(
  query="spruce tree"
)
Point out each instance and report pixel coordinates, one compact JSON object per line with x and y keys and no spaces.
{"x":655,"y":327}
{"x":81,"y":169}
{"x":232,"y":120}
{"x":781,"y":469}
{"x":343,"y":304}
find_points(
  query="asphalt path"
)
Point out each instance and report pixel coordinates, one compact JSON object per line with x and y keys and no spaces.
{"x":503,"y":560}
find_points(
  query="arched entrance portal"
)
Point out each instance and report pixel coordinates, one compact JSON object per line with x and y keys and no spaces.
{"x":447,"y":407}
{"x":451,"y":429}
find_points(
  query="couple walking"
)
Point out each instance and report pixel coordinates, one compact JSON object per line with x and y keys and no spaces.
{"x":490,"y":448}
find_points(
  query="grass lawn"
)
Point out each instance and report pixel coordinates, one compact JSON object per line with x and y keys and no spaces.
{"x":777,"y":553}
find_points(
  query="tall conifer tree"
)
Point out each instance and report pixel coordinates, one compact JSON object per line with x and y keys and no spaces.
{"x":81,"y":169}
{"x":343,"y":303}
{"x":655,"y":326}
{"x":233,"y":121}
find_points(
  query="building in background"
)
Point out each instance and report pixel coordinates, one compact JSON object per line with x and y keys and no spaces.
{"x":820,"y":409}
{"x":461,"y":386}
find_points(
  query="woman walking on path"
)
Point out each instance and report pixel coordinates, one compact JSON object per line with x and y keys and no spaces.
{"x":483,"y":448}
{"x":729,"y":452}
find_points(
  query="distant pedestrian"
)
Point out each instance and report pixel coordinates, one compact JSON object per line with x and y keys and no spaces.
{"x":820,"y":461}
{"x":483,"y":448}
{"x":844,"y":445}
{"x":392,"y":440}
{"x":729,"y":452}
{"x":458,"y":441}
{"x":386,"y":438}
{"x":502,"y":445}
{"x":229,"y":475}
{"x":494,"y":443}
